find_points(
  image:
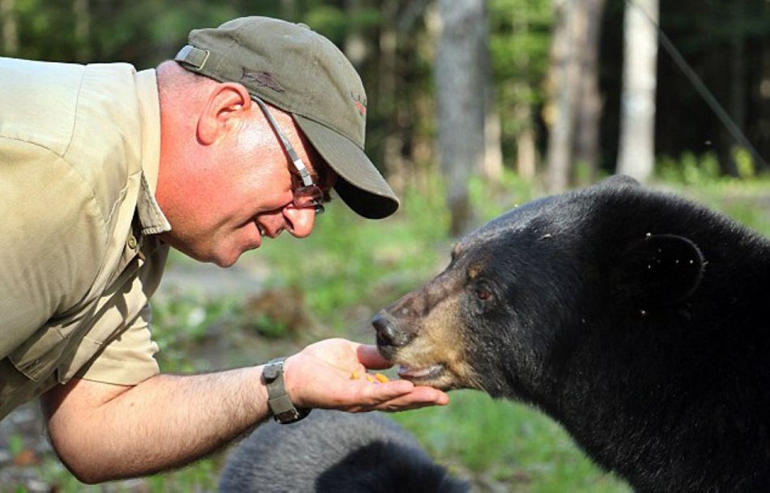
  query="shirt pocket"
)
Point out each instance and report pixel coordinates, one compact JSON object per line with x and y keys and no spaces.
{"x":38,"y":357}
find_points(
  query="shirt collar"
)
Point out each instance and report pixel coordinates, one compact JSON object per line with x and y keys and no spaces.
{"x":152,"y":218}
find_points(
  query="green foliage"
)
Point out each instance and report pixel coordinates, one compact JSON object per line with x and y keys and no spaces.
{"x":690,"y":169}
{"x":181,"y":320}
{"x":199,"y":477}
{"x":145,"y":32}
{"x":519,"y":40}
{"x":744,"y":163}
{"x":202,"y":476}
{"x":703,"y":169}
{"x":520,"y":32}
{"x":336,"y":23}
{"x":270,"y":328}
{"x":746,"y":201}
{"x":15,"y":444}
{"x":490,"y":200}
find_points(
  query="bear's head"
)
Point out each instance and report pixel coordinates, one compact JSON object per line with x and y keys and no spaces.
{"x":557,"y":281}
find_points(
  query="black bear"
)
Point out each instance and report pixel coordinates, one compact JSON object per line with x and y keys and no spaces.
{"x":335,"y":452}
{"x":633,"y":317}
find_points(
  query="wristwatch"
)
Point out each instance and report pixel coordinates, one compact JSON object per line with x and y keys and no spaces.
{"x":280,"y":405}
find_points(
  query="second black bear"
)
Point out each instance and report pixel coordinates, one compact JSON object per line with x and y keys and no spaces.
{"x":635,"y":318}
{"x":335,"y":452}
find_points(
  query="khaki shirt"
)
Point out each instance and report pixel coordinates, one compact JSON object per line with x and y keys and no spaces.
{"x":79,"y":156}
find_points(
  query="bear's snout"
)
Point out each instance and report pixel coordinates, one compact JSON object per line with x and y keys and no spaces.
{"x":389,"y":334}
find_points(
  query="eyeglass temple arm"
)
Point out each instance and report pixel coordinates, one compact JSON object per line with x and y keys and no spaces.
{"x":295,"y":159}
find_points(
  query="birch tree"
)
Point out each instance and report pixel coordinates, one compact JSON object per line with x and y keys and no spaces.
{"x":460,"y":74}
{"x":574,"y":110}
{"x":562,"y":81}
{"x":636,"y":154}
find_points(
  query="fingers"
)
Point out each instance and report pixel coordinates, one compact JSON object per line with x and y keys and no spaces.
{"x":419,"y":397}
{"x":396,"y":396}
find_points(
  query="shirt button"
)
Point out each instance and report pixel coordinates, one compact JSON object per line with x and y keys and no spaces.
{"x":132,"y":242}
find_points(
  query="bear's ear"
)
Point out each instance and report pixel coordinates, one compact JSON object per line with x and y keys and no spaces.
{"x":660,"y":270}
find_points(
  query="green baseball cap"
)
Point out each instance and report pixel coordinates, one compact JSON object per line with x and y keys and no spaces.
{"x":304,"y":74}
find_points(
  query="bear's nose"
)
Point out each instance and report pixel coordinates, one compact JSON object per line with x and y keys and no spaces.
{"x":388,"y":332}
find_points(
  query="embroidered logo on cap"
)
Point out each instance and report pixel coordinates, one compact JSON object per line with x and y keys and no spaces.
{"x":360,"y":104}
{"x":263,"y":79}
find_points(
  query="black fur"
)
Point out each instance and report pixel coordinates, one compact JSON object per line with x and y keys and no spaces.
{"x":634,"y":318}
{"x":334,"y":452}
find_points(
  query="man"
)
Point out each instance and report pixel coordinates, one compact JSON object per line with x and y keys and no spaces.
{"x":102,"y":169}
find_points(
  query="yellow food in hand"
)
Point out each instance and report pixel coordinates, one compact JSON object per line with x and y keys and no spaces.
{"x":377,"y":377}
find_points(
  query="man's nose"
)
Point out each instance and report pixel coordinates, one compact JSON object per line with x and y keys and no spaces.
{"x":299,"y":222}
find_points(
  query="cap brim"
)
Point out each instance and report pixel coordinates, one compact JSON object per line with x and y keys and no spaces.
{"x":360,"y":185}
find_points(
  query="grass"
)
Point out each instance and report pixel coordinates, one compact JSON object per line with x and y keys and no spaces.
{"x":350,"y":265}
{"x":505,"y":446}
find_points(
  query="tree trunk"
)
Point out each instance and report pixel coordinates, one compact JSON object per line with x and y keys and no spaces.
{"x":356,"y":47}
{"x":492,"y":164}
{"x":736,"y":105}
{"x":387,"y":97}
{"x":288,"y":9}
{"x":563,"y":81}
{"x":763,"y":119}
{"x":526,"y":147}
{"x":460,"y":80}
{"x":82,"y":15}
{"x":589,"y":100}
{"x":493,"y":152}
{"x":10,"y":28}
{"x":636,"y":155}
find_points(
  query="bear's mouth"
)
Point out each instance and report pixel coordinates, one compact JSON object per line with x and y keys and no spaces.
{"x":424,"y":374}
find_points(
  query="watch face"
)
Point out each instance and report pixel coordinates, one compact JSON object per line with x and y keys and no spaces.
{"x":271,"y":371}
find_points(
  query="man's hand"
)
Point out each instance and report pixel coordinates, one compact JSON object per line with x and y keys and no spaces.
{"x":319,"y":376}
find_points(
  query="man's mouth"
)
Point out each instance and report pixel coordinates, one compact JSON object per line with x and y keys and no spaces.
{"x":261,"y":229}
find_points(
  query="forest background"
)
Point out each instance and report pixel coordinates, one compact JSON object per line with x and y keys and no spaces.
{"x":474,"y":87}
{"x":474,"y":106}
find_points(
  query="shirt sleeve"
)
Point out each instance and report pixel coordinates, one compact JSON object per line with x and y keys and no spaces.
{"x":128,"y":359}
{"x":119,"y":348}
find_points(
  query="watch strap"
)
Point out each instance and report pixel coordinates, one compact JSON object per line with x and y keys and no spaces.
{"x":281,"y":407}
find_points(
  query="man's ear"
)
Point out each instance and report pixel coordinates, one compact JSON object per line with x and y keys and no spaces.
{"x":227,"y":102}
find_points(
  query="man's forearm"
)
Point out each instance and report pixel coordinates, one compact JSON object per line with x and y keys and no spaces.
{"x":165,"y":422}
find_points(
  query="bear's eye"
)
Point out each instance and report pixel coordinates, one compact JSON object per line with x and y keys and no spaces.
{"x":483,"y":294}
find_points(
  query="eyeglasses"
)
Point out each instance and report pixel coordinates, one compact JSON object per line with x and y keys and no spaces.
{"x":310,"y":194}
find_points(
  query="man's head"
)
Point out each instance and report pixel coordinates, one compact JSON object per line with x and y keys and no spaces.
{"x":218,"y":137}
{"x":304,"y":74}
